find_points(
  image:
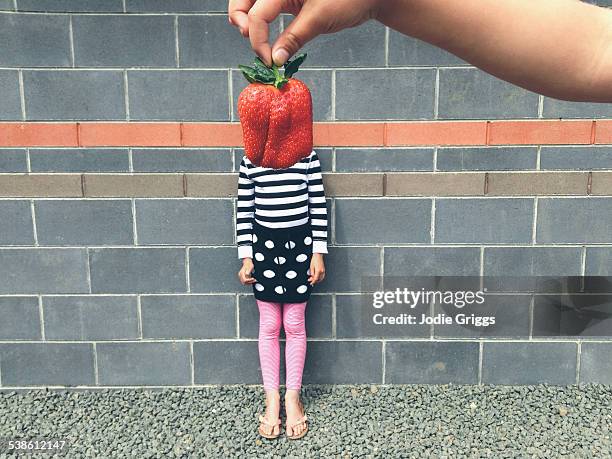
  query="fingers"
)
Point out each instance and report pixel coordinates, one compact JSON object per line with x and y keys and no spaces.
{"x":261,"y":14}
{"x":237,"y":11}
{"x":302,"y":29}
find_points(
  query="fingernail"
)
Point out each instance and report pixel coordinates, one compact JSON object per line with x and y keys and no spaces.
{"x":280,"y":56}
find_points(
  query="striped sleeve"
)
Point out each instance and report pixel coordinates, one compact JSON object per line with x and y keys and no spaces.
{"x":317,"y":206}
{"x":245,"y":213}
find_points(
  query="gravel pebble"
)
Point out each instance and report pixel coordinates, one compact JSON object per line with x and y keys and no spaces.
{"x":346,"y":421}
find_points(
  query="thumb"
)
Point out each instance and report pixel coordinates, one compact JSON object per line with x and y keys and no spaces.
{"x":300,"y":31}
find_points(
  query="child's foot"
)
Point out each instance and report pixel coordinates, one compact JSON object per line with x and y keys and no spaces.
{"x":296,"y":417}
{"x":269,"y":426}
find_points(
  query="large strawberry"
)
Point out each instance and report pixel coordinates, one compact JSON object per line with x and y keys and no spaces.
{"x":276,"y":115}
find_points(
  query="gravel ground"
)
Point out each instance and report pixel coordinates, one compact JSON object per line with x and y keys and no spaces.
{"x":366,"y":421}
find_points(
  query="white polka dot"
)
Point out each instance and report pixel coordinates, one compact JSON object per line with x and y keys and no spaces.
{"x":301,"y":257}
{"x":259,"y":287}
{"x":269,"y":244}
{"x":259,"y":256}
{"x":280,"y":260}
{"x":307,"y":240}
{"x":280,"y":289}
{"x":302,"y":289}
{"x":254,"y":238}
{"x":291,"y":274}
{"x":289,"y":244}
{"x":269,"y":273}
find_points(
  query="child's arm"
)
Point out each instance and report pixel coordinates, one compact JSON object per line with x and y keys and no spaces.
{"x":245,"y":213}
{"x":317,"y":206}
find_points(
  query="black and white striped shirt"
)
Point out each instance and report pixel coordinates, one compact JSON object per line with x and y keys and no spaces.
{"x":281,"y":198}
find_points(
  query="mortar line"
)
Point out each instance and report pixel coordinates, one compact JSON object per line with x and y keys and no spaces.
{"x":177,"y":55}
{"x":124,"y":5}
{"x":531,"y":314}
{"x":21,"y":94}
{"x":134,"y":227}
{"x":436,"y":93}
{"x":480,"y":360}
{"x":435,"y":158}
{"x":187,"y":269}
{"x":15,"y":5}
{"x":88,"y":270}
{"x":333,"y":95}
{"x":386,"y":46}
{"x":534,"y":229}
{"x":578,"y":360}
{"x":126,"y":95}
{"x":384,"y":361}
{"x":583,"y":260}
{"x":34,"y":230}
{"x":334,"y":334}
{"x":538,"y":157}
{"x":71,"y":41}
{"x":191,"y":362}
{"x":130,"y":160}
{"x":540,"y":106}
{"x":237,"y":304}
{"x":230,"y":93}
{"x":95,"y":362}
{"x":41,"y":318}
{"x":28,"y":160}
{"x":139,"y":316}
{"x":432,"y":231}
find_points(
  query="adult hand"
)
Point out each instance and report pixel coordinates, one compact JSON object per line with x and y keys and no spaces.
{"x":312,"y":18}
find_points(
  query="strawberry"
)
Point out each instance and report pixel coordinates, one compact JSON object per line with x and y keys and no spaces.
{"x":275,"y":114}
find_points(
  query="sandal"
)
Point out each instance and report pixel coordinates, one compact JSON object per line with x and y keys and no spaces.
{"x":302,"y":420}
{"x":265,"y":421}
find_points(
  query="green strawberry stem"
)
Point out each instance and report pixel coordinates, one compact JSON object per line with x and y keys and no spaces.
{"x":261,"y":73}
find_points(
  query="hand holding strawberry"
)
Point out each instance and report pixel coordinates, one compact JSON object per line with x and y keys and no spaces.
{"x":276,"y":115}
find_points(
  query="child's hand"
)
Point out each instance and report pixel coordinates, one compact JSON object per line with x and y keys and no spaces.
{"x":245,"y":272}
{"x":317,"y":269}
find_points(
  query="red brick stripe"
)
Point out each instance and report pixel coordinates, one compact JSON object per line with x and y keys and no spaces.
{"x":372,"y":134}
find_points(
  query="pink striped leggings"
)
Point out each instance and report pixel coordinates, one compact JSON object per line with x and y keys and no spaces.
{"x":293,"y":320}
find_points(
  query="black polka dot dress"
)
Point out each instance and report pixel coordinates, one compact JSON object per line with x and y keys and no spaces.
{"x":281,"y":257}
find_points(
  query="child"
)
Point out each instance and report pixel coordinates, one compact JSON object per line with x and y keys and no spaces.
{"x":281,"y":233}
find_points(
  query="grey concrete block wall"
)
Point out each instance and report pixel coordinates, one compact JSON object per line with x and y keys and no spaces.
{"x":132,"y":290}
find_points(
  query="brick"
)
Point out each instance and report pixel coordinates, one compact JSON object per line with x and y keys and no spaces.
{"x":137,"y":270}
{"x":188,"y":95}
{"x":188,"y":317}
{"x":175,"y":6}
{"x":435,"y":184}
{"x":13,"y":160}
{"x":540,"y":132}
{"x":373,"y":100}
{"x":214,"y":270}
{"x":130,"y":134}
{"x":432,"y":261}
{"x":181,"y":160}
{"x":575,"y":158}
{"x":143,"y":185}
{"x":73,"y":95}
{"x":38,"y":134}
{"x":596,"y":363}
{"x":211,"y":134}
{"x":362,"y":46}
{"x":484,"y":221}
{"x":16,"y":225}
{"x":209,"y":41}
{"x":10,"y":102}
{"x":431,"y":362}
{"x":537,"y":183}
{"x":124,"y":41}
{"x":191,"y":222}
{"x":436,"y":133}
{"x":143,"y":364}
{"x":34,"y":271}
{"x":382,"y":160}
{"x":318,"y":317}
{"x":349,"y":265}
{"x":318,"y":81}
{"x":338,"y":184}
{"x":90,"y":317}
{"x":532,"y":261}
{"x":333,"y":362}
{"x":7,"y":5}
{"x":56,"y":185}
{"x":211,"y":185}
{"x":486,"y":158}
{"x":79,"y":160}
{"x":602,"y":183}
{"x":19,"y":318}
{"x":349,"y":134}
{"x":84,"y":222}
{"x":325,"y":158}
{"x":529,"y":363}
{"x":29,"y":40}
{"x":577,"y":220}
{"x":405,"y":50}
{"x":70,"y":6}
{"x":354,"y":319}
{"x":598,"y":261}
{"x":224,"y":362}
{"x":555,"y":108}
{"x":475,"y":94}
{"x":510,"y":312}
{"x":603,"y":131}
{"x":381,"y":221}
{"x":48,"y":364}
